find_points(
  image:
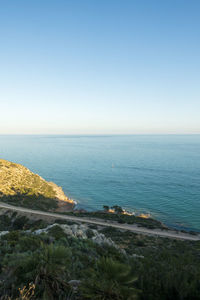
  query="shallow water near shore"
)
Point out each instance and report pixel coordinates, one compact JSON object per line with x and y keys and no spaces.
{"x":157,"y":174}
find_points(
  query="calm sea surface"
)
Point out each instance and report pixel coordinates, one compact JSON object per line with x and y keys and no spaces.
{"x":148,"y":173}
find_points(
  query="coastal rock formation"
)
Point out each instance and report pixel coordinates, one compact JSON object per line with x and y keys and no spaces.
{"x":20,"y":186}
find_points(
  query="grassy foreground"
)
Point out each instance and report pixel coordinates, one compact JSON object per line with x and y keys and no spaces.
{"x":55,"y":265}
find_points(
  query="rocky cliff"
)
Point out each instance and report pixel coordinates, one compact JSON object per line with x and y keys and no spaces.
{"x":20,"y":186}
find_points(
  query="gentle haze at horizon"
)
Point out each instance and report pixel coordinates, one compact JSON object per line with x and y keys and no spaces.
{"x":99,"y":67}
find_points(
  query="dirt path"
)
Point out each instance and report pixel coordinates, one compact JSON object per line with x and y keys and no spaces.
{"x":133,"y":228}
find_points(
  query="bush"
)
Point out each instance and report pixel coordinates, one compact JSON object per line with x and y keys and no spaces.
{"x":57,"y":232}
{"x":20,"y":222}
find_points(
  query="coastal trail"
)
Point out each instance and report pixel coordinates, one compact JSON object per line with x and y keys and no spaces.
{"x":106,"y":223}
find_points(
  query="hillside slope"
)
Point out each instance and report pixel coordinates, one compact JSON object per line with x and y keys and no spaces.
{"x":20,"y":186}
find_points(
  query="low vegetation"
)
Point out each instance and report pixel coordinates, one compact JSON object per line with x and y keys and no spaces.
{"x":54,"y":265}
{"x":120,"y":218}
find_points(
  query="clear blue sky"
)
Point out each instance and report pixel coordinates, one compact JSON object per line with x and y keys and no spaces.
{"x":99,"y":66}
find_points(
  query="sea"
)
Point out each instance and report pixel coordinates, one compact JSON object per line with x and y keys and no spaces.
{"x":156,"y":174}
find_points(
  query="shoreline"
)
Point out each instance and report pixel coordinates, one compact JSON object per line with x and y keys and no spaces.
{"x":168,"y":225}
{"x":134,"y":228}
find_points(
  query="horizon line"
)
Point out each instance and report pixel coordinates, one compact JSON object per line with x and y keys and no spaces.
{"x":92,"y":134}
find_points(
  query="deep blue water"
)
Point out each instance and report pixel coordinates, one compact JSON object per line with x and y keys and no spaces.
{"x":150,"y":173}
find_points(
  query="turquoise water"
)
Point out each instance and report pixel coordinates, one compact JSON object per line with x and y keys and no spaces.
{"x":156,"y":174}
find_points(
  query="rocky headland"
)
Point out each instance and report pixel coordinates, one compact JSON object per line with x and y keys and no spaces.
{"x":19,"y":186}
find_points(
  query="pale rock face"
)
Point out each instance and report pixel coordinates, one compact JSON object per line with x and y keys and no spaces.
{"x":81,"y":234}
{"x":74,"y":228}
{"x":77,"y":231}
{"x":74,"y":284}
{"x":137,"y":256}
{"x":101,"y":239}
{"x":83,"y":227}
{"x":67,"y":229}
{"x":43,"y":230}
{"x":80,"y":231}
{"x":3,"y":232}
